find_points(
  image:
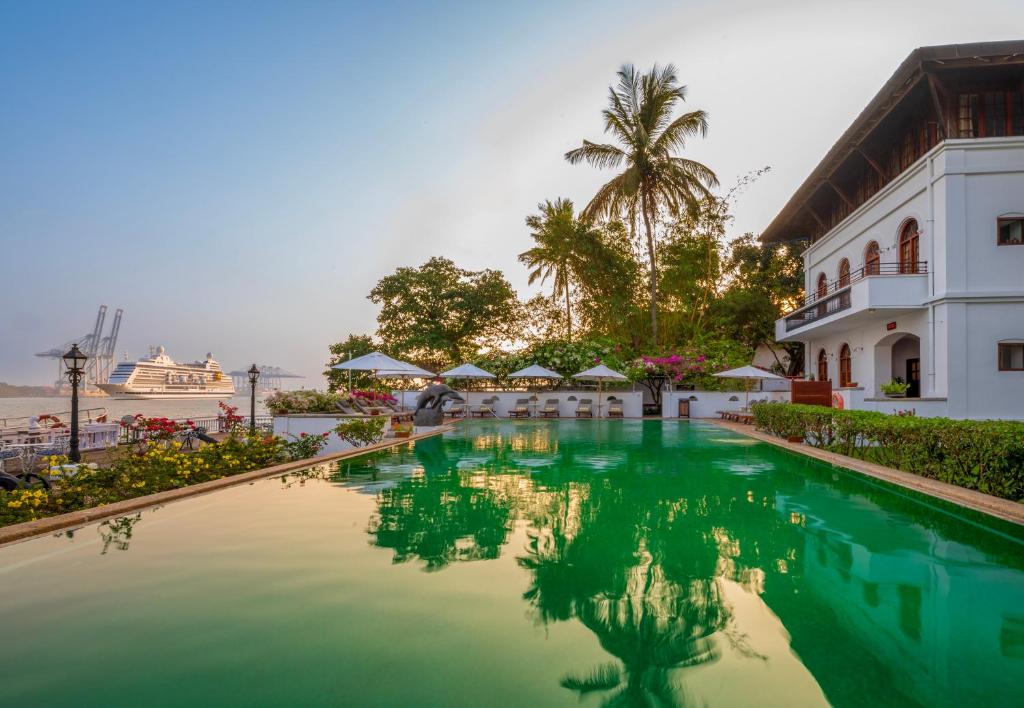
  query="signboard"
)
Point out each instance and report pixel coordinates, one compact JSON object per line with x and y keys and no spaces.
{"x":890,"y":326}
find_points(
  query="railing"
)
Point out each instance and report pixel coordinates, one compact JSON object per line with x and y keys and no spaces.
{"x":865,"y":271}
{"x":85,"y":415}
{"x":836,"y":296}
{"x":218,"y":423}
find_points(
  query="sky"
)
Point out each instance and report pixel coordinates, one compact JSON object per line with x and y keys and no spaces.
{"x":238,"y":175}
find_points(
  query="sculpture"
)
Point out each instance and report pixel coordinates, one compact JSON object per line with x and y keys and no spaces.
{"x":429,"y":403}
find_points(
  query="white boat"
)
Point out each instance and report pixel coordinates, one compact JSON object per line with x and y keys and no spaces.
{"x":159,"y":376}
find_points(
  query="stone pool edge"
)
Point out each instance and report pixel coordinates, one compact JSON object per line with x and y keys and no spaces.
{"x":24,"y":531}
{"x":977,"y":501}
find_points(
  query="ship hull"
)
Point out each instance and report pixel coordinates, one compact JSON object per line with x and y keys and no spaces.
{"x":120,"y":392}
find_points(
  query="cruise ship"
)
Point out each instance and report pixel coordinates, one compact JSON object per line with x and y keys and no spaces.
{"x":159,"y":376}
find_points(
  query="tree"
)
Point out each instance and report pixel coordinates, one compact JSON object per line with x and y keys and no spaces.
{"x":563,"y":245}
{"x":439,"y":314}
{"x":639,"y":116}
{"x":355,"y":345}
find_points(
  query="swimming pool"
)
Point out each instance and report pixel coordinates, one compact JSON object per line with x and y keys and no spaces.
{"x":527,"y":563}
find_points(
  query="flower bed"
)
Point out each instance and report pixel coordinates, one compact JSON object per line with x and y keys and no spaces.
{"x":157,"y":465}
{"x":984,"y":455}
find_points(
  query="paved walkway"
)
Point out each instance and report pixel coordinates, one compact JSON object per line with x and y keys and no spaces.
{"x":985,"y":503}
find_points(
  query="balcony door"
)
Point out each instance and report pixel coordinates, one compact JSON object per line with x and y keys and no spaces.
{"x":872,"y":259}
{"x":909,"y":252}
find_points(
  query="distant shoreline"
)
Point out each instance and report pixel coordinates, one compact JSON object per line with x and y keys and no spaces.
{"x":11,"y":391}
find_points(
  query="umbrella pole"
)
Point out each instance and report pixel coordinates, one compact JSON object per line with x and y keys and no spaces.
{"x":746,"y":394}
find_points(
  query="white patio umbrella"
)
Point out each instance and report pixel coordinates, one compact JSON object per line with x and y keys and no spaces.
{"x":381,"y":364}
{"x":600,"y":373}
{"x":536,"y":371}
{"x":413,"y":372}
{"x":748,"y":374}
{"x":467,"y":372}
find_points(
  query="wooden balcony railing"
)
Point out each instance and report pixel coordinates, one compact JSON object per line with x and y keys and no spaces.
{"x":836,"y":296}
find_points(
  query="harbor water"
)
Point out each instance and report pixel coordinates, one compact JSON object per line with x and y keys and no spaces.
{"x":116,"y":408}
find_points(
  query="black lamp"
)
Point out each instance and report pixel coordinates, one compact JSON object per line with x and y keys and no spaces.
{"x":254,"y":376}
{"x":74,"y":360}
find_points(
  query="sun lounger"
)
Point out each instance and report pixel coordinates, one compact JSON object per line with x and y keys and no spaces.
{"x":457,"y":410}
{"x":585,"y":409}
{"x":550,"y":409}
{"x":484,"y":410}
{"x":521,"y":409}
{"x":367,"y":409}
{"x":614,"y":408}
{"x":345,"y":408}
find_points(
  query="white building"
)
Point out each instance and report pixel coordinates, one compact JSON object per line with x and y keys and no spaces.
{"x":915,"y":220}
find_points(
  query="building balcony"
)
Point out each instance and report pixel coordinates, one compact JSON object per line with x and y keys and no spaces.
{"x":848,"y":301}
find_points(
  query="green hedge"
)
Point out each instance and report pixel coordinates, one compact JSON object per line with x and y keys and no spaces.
{"x":986,"y":455}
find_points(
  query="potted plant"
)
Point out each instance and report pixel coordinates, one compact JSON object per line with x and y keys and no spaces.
{"x":895,"y":388}
{"x":402,"y":430}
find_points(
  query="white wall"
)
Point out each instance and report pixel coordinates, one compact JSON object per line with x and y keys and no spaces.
{"x":708,"y":403}
{"x":974,"y":292}
{"x":291,"y":426}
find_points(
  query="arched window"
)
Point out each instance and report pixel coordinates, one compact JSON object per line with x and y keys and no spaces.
{"x":844,"y":273}
{"x":822,"y":365}
{"x":845,"y":370}
{"x":872,"y":259}
{"x":909,"y":247}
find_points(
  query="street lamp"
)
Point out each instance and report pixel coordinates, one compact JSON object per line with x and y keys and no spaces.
{"x":254,"y":376}
{"x":74,"y":360}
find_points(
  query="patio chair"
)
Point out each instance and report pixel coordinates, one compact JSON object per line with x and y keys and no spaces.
{"x":521,"y":409}
{"x":550,"y":409}
{"x":585,"y":409}
{"x":614,"y":408}
{"x":9,"y":454}
{"x":367,"y":409}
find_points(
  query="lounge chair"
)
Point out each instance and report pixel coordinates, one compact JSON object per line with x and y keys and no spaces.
{"x":484,"y":410}
{"x":456,"y":410}
{"x":585,"y":409}
{"x":367,"y":409}
{"x":521,"y":409}
{"x":614,"y":408}
{"x":550,"y":409}
{"x":345,"y":408}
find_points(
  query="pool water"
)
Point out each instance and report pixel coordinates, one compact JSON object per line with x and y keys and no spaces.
{"x":533,"y":563}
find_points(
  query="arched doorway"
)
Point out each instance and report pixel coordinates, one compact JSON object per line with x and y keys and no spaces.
{"x":898,"y":356}
{"x":822,"y":365}
{"x":909,"y":247}
{"x":872,"y":259}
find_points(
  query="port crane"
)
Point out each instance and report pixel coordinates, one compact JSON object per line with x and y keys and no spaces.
{"x":99,"y":349}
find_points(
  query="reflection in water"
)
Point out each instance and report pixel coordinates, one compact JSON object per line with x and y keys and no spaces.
{"x":117,"y":532}
{"x":633,"y":531}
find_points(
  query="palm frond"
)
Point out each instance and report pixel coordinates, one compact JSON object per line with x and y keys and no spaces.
{"x":602,"y":678}
{"x":597,"y":154}
{"x":674,"y":136}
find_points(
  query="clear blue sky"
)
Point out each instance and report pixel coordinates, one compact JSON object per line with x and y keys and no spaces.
{"x":238,"y":175}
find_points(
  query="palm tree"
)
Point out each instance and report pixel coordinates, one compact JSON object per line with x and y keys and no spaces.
{"x":562,"y":243}
{"x":639,"y":116}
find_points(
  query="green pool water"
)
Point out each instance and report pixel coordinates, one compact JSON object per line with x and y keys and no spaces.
{"x":534,"y":563}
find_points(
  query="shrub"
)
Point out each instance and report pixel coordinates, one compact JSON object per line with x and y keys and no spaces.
{"x":305,"y":445}
{"x":984,"y":455}
{"x":282,"y":402}
{"x":361,"y":431}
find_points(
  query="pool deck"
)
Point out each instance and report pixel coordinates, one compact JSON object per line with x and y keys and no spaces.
{"x":74,"y":519}
{"x":985,"y":503}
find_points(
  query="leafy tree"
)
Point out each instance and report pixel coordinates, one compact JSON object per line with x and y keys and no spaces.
{"x":541,"y":320}
{"x":439,"y":314}
{"x":639,"y":116}
{"x":355,"y":345}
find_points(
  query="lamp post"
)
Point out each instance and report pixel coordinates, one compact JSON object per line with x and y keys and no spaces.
{"x":74,"y":360}
{"x":254,"y":376}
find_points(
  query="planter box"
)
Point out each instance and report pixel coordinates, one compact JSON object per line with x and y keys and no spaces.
{"x":895,"y":395}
